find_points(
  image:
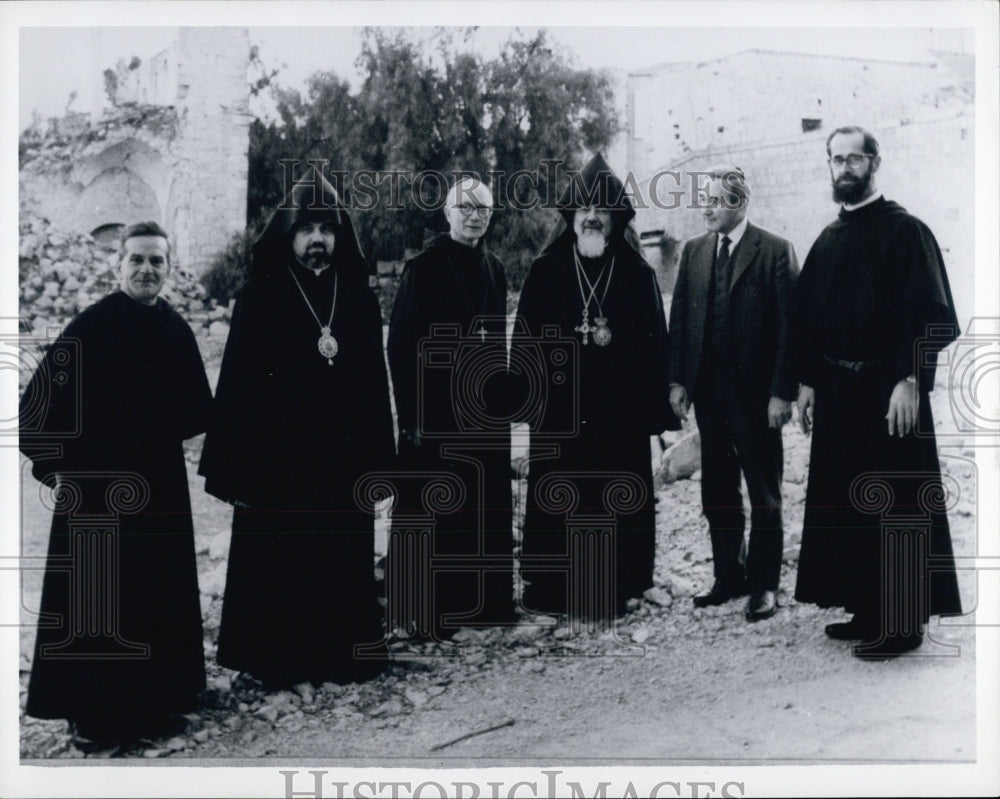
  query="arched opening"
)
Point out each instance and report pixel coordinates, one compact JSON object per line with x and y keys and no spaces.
{"x":108,"y":235}
{"x":117,"y":196}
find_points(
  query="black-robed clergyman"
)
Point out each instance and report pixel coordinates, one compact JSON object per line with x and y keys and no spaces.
{"x":119,"y":647}
{"x":301,"y":413}
{"x":589,"y":538}
{"x":452,"y":566}
{"x":872,"y":309}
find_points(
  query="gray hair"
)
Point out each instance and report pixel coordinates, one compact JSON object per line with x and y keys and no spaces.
{"x":733,"y":179}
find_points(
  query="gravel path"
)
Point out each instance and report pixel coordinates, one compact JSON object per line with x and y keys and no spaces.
{"x":667,"y":683}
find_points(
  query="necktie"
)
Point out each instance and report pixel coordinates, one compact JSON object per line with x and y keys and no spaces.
{"x":722,"y":265}
{"x":720,"y":299}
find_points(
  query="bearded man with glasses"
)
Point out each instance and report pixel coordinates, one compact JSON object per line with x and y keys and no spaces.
{"x":872,"y":309}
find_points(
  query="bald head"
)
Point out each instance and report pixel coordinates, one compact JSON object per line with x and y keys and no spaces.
{"x":468,"y":207}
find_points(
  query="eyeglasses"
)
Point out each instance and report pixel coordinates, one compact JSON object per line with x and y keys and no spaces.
{"x":468,"y":209}
{"x":853,"y":160}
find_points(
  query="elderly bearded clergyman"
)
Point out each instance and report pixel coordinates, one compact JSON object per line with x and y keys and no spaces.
{"x":590,"y":465}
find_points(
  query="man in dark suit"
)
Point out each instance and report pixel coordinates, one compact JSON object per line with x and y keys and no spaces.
{"x":729,"y":356}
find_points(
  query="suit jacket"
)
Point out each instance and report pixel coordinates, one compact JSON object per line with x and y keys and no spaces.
{"x":764,"y":270}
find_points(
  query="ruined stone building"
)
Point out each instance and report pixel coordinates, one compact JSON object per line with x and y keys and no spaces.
{"x":771,"y":112}
{"x":172,"y":148}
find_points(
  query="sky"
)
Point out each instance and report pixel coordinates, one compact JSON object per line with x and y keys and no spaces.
{"x":46,"y":83}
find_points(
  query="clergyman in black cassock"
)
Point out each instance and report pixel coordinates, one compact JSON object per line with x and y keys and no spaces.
{"x":119,"y":646}
{"x":301,"y":413}
{"x":450,"y":567}
{"x":589,"y":538}
{"x":872,"y":309}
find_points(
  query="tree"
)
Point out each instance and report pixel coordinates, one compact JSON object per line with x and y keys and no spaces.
{"x":433,"y":105}
{"x":543,"y":112}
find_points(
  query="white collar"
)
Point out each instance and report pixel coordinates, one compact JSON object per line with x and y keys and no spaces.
{"x":734,"y":236}
{"x":876,"y":196}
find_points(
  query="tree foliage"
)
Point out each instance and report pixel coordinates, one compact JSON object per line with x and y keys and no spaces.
{"x":430,"y":104}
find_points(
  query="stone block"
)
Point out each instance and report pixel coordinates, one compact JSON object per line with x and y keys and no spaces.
{"x":682,"y":459}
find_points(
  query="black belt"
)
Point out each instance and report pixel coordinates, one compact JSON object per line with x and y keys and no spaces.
{"x":854,"y":366}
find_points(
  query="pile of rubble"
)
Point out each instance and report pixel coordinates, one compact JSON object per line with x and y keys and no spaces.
{"x":62,"y":272}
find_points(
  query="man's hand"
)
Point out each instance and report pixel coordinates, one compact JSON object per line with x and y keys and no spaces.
{"x":679,"y":402}
{"x":805,"y":402}
{"x":902,"y":413}
{"x":779,"y":411}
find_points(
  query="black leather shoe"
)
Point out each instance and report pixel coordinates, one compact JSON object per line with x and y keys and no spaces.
{"x":886,"y":648}
{"x":853,"y":630}
{"x":720,"y":594}
{"x":761,"y":605}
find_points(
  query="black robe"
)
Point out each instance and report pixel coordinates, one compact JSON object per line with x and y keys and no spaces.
{"x":592,"y":410}
{"x":290,"y":437}
{"x":119,"y":392}
{"x":874,"y":291}
{"x":450,"y":383}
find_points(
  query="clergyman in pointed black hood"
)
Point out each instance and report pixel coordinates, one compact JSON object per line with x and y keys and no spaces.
{"x":591,"y":427}
{"x":301,"y":413}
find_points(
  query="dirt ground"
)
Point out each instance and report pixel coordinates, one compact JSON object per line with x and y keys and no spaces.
{"x":667,"y":684}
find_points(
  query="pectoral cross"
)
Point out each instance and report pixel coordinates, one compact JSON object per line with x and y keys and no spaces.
{"x":585,"y":327}
{"x":482,"y":332}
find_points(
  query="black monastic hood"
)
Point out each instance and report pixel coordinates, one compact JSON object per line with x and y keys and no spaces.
{"x":595,"y":184}
{"x":273,"y":247}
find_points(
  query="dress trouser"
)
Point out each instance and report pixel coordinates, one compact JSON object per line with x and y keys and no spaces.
{"x":734,"y":439}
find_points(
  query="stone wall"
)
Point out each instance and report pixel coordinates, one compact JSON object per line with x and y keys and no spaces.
{"x":173,"y":149}
{"x":209,"y":194}
{"x":927,"y":166}
{"x":759,"y":97}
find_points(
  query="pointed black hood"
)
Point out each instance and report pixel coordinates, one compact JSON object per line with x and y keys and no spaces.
{"x":595,"y":185}
{"x":312,"y":200}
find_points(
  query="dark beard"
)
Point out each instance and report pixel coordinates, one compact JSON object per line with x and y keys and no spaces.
{"x":316,"y":259}
{"x":852,"y":193}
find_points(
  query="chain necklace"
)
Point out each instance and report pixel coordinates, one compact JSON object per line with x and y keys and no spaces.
{"x":600,"y":329}
{"x":481,"y":332}
{"x":327,"y":344}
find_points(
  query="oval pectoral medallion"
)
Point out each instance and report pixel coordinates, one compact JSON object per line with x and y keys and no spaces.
{"x":327,"y":345}
{"x":602,"y":335}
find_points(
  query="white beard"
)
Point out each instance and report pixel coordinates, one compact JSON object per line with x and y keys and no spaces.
{"x":591,"y":243}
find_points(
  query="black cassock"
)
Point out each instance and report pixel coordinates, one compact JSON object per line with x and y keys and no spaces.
{"x":290,"y":437}
{"x":873,"y":306}
{"x":119,"y":644}
{"x":450,"y":564}
{"x":589,"y":537}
